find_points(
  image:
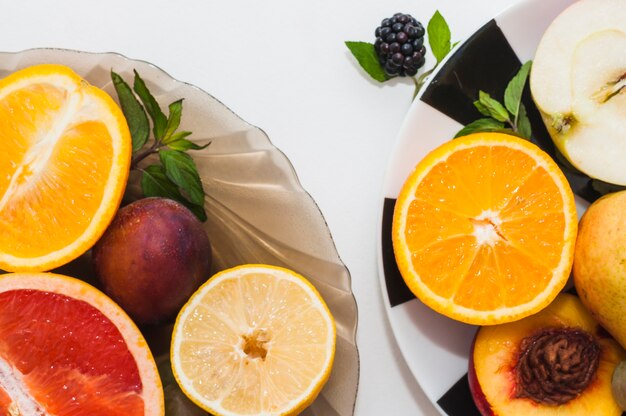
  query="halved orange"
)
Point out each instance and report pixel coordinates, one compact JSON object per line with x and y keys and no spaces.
{"x":64,"y":164}
{"x":484,"y":229}
{"x":67,"y":349}
{"x":254,"y":340}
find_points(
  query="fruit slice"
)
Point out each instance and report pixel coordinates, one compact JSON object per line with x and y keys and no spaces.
{"x":64,"y":163}
{"x":577,"y":82}
{"x":557,"y":362}
{"x":67,"y":349}
{"x":484,"y":229}
{"x":254,"y":339}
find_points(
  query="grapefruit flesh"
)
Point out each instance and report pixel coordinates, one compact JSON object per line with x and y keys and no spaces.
{"x":60,"y":355}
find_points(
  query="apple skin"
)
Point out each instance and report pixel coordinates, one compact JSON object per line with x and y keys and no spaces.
{"x":153,"y":256}
{"x":495,"y":352}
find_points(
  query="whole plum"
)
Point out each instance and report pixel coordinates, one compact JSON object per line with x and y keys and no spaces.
{"x":152,"y":257}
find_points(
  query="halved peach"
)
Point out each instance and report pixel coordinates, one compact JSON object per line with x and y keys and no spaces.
{"x":557,"y":362}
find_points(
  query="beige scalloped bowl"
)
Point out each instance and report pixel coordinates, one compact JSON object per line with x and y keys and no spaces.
{"x":257,"y":210}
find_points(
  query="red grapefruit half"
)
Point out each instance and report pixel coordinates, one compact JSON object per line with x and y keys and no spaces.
{"x":67,"y":349}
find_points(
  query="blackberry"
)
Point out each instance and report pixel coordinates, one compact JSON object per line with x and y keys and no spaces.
{"x":400,"y":46}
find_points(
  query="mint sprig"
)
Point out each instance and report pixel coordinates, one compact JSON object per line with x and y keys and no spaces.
{"x":439,"y":39}
{"x":366,"y":56}
{"x":176,"y":177}
{"x":439,"y":36}
{"x":510,"y":117}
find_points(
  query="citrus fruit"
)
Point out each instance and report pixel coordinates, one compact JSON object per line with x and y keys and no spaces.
{"x":254,"y":339}
{"x":67,"y":349}
{"x":64,"y":164}
{"x":484,"y":229}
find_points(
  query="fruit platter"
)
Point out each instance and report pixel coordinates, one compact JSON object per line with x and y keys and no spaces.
{"x":153,"y":253}
{"x":502,"y":219}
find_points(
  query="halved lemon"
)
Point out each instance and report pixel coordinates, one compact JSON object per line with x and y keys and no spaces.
{"x":484,"y":229}
{"x":65,"y":158}
{"x":253,"y":340}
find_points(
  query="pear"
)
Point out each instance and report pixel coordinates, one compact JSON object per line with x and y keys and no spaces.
{"x":600,"y":263}
{"x":578,"y":81}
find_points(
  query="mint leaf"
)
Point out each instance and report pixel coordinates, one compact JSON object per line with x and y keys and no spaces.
{"x":173,"y":120}
{"x":197,"y":210}
{"x":133,"y":112}
{"x":482,"y":108}
{"x":366,"y":56}
{"x":184,"y":144}
{"x":181,"y":170}
{"x":154,"y":182}
{"x":178,"y":135}
{"x":439,"y":36}
{"x":523,"y":123}
{"x":159,"y":120}
{"x":515,"y":89}
{"x":493,"y":107}
{"x":480,"y":125}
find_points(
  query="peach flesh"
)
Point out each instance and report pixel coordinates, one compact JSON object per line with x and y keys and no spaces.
{"x":495,"y":356}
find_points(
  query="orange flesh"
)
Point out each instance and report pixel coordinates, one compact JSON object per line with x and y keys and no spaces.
{"x":472,"y":195}
{"x":67,"y":356}
{"x":26,"y":117}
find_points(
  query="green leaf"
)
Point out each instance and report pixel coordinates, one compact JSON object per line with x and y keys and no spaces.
{"x":439,"y":36}
{"x":133,"y":112}
{"x":181,"y":169}
{"x":159,"y":120}
{"x":184,"y":144}
{"x":179,"y":135}
{"x":515,"y":89}
{"x":366,"y":56}
{"x":482,"y":108}
{"x":173,"y":120}
{"x":154,"y":182}
{"x":523,"y":123}
{"x":480,"y":125}
{"x":494,"y":108}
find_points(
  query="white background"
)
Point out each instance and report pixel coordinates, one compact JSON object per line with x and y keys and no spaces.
{"x":282,"y":65}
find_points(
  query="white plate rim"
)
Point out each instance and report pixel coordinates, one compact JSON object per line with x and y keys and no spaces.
{"x":396,"y":322}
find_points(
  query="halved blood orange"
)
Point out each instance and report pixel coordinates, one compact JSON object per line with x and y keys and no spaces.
{"x":484,"y":229}
{"x":67,"y":349}
{"x":64,"y":164}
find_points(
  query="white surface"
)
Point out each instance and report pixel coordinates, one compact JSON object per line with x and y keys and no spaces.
{"x":282,"y":66}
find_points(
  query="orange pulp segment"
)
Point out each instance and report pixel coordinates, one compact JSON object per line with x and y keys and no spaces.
{"x":63,"y":168}
{"x":484,"y":229}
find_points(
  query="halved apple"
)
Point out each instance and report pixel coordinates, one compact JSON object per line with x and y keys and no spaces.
{"x":557,"y":362}
{"x":578,"y":81}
